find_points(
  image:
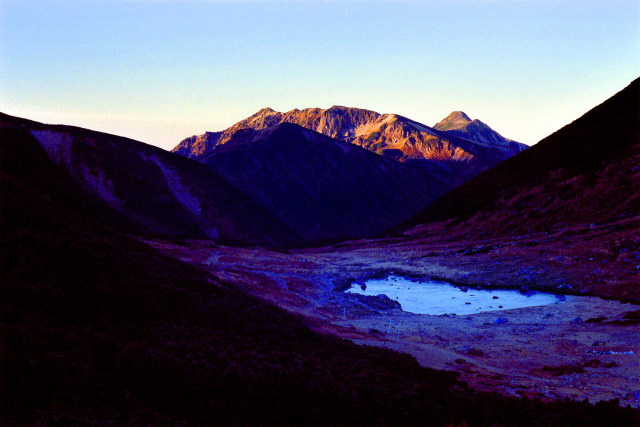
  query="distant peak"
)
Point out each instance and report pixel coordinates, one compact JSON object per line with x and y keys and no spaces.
{"x":453,"y":120}
{"x":458,"y":116}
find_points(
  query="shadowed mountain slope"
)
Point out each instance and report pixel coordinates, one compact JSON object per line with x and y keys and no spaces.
{"x":323,"y":188}
{"x":586,"y":172}
{"x":150,"y":190}
{"x":391,"y":135}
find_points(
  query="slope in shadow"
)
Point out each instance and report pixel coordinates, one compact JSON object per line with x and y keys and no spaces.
{"x":322,"y":188}
{"x":160,"y":192}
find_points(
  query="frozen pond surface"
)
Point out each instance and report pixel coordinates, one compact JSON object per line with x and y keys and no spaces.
{"x":437,"y":298}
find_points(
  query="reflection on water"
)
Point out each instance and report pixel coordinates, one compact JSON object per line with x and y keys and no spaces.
{"x":437,"y":298}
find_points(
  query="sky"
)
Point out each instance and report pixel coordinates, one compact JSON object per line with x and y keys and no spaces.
{"x":160,"y":71}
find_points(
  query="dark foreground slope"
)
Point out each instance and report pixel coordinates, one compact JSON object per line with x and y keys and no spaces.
{"x":98,"y":327}
{"x":587,"y":172}
{"x":323,"y":188}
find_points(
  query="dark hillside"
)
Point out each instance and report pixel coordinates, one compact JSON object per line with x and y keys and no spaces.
{"x":157,"y":192}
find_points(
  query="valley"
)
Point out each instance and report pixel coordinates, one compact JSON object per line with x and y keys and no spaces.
{"x":584,"y":348}
{"x":145,"y":286}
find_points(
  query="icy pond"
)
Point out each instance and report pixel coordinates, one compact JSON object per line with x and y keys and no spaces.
{"x":436,"y":298}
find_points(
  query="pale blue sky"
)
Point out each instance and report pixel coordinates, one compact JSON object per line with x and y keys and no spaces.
{"x":159,"y":71}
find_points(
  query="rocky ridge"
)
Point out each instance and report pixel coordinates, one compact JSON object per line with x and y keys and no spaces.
{"x":467,"y":152}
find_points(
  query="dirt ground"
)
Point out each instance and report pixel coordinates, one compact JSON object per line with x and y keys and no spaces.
{"x":582,"y":348}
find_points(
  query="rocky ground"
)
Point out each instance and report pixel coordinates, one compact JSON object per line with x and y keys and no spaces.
{"x":584,"y":348}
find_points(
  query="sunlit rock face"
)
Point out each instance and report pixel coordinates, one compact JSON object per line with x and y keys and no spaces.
{"x":344,"y":193}
{"x":456,"y":154}
{"x":197,"y":145}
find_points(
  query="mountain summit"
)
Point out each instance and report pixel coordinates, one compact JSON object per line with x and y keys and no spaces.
{"x":460,"y":125}
{"x":342,"y":172}
{"x":454,"y":120}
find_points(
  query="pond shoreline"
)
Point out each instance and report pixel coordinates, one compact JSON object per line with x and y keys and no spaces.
{"x":440,"y":297}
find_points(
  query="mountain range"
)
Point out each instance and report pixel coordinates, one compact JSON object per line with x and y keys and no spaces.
{"x":456,"y":148}
{"x":344,"y":173}
{"x":267,"y":180}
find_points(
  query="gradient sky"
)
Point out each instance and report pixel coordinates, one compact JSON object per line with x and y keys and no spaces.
{"x":159,"y":71}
